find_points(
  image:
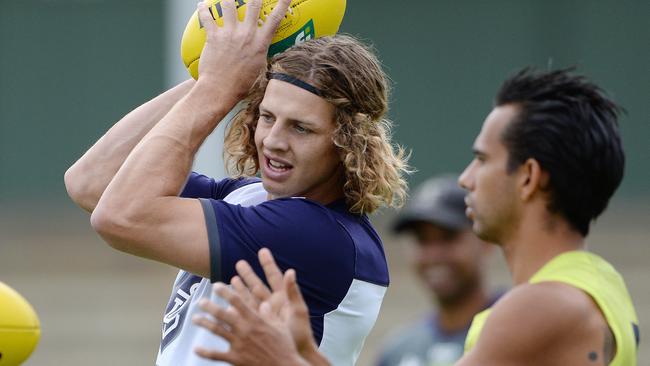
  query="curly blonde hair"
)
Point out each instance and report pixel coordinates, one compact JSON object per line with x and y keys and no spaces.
{"x":351,"y":78}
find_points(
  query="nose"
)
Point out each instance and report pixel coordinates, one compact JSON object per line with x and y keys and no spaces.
{"x":275,"y":138}
{"x":465,"y":179}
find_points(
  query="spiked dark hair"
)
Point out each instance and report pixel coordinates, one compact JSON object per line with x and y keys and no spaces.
{"x":570,"y":127}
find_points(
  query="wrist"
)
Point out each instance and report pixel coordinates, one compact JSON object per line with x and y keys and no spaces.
{"x":208,"y":97}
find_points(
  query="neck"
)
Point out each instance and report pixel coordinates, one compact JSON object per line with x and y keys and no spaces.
{"x":457,"y":316}
{"x":534,"y":244}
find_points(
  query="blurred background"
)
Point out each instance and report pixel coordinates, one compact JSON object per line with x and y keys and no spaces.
{"x":70,"y":68}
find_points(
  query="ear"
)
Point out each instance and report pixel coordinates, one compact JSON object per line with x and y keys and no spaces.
{"x":532,"y":179}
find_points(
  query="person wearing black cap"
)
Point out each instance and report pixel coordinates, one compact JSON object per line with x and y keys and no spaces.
{"x":449,"y":260}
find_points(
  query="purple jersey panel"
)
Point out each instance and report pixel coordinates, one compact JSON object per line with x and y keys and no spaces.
{"x":200,"y":186}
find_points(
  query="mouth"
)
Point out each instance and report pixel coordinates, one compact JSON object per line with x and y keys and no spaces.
{"x":438,"y":277}
{"x":275,"y":168}
{"x":469,"y":212}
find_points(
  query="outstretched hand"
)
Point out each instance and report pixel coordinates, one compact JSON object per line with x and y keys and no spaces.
{"x":262,"y":326}
{"x":234,"y":55}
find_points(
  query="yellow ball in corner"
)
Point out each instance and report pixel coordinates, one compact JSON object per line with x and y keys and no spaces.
{"x":19,"y":327}
{"x":306,"y":19}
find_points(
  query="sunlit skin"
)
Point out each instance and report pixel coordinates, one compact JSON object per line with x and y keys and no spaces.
{"x":491,"y":198}
{"x":294,"y":144}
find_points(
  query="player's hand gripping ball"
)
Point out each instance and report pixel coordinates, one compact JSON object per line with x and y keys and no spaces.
{"x":306,"y":19}
{"x":19,"y":327}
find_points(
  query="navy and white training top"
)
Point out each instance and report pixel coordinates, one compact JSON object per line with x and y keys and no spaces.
{"x":338,"y":256}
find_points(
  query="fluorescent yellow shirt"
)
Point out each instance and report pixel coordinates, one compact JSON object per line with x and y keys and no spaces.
{"x":593,"y":275}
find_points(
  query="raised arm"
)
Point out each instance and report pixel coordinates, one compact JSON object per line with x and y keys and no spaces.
{"x":87,"y":178}
{"x":140,"y":212}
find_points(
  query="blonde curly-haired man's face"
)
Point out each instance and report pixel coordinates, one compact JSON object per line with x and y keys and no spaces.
{"x":294,"y":145}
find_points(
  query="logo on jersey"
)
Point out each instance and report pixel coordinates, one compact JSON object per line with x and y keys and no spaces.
{"x":177,"y":307}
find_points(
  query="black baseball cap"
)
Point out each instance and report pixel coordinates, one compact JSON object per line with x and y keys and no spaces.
{"x":438,"y":201}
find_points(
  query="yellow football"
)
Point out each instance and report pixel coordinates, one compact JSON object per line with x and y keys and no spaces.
{"x":306,"y":19}
{"x":19,"y":327}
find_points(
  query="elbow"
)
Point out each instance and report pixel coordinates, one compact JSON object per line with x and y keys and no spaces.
{"x":70,"y":181}
{"x":111,"y":226}
{"x":76,"y":186}
{"x":120,"y":224}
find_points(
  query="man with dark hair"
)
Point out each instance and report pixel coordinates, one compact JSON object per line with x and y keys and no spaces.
{"x":567,"y":125}
{"x":547,"y":160}
{"x":450,"y":260}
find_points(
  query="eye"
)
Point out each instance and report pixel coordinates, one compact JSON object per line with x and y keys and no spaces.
{"x":266,"y":118}
{"x":479,"y":158}
{"x":300,"y":129}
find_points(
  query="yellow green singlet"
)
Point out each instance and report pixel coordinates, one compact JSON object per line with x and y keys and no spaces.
{"x":593,"y":275}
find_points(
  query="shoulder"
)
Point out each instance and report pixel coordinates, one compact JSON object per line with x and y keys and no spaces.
{"x":337,"y":231}
{"x":201,"y":186}
{"x":284,"y":225}
{"x":547,"y":304}
{"x":300,"y":218}
{"x":230,"y":185}
{"x":534,"y":318}
{"x":306,"y":229}
{"x":290,"y":206}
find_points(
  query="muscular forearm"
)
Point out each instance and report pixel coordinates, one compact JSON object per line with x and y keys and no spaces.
{"x":158,"y":166}
{"x":87,"y":179}
{"x":140,"y":212}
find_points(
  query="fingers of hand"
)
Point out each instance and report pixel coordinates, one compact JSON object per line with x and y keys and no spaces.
{"x":253,"y":9}
{"x":229,"y":315}
{"x":213,"y":326}
{"x":271,"y":269}
{"x":210,"y":307}
{"x":253,"y":282}
{"x":214,"y":355}
{"x":243,"y":292}
{"x":229,"y":13}
{"x":238,"y":310}
{"x":273,"y":20}
{"x":293,"y":292}
{"x":205,"y":17}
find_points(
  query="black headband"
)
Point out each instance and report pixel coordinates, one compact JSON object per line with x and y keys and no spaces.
{"x":297,"y":82}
